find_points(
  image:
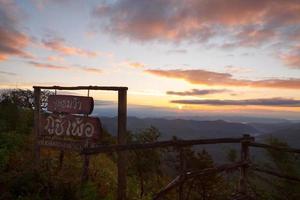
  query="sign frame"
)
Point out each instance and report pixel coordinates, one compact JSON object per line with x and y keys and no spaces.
{"x":122,"y":132}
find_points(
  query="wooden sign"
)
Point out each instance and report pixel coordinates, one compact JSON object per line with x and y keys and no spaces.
{"x":62,"y":144}
{"x":70,"y":125}
{"x":70,"y":104}
{"x":67,"y":144}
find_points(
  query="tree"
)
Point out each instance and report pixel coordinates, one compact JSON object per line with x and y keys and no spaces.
{"x":145,"y":164}
{"x":287,"y":164}
{"x":205,"y":187}
{"x":16,"y":109}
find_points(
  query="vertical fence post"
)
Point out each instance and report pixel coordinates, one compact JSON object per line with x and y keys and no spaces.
{"x":245,"y":157}
{"x":85,"y":164}
{"x":122,"y":122}
{"x":37,"y":105}
{"x":85,"y":168}
{"x":182,"y":172}
{"x":61,"y":158}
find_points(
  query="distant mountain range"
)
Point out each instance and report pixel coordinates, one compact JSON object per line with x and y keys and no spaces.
{"x":195,"y":129}
{"x":191,"y":129}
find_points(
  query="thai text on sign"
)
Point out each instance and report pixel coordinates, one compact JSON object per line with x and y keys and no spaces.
{"x":70,"y":125}
{"x":70,"y":104}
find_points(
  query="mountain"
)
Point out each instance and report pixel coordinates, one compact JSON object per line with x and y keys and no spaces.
{"x":266,"y":128}
{"x":240,"y":119}
{"x":195,"y":129}
{"x":186,"y":129}
{"x":289,"y":134}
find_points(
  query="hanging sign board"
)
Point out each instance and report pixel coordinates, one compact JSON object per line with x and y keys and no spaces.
{"x":66,"y":125}
{"x":70,"y":104}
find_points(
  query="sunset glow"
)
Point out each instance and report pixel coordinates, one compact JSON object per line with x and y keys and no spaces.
{"x":231,"y":56}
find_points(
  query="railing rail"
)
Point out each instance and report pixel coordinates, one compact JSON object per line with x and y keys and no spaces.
{"x":160,"y":144}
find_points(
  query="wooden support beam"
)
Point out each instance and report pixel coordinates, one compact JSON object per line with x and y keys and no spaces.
{"x":85,"y":168}
{"x":113,"y":88}
{"x":37,"y":105}
{"x":122,"y":135}
{"x":245,"y":157}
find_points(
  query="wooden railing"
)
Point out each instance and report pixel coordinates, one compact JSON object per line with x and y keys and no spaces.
{"x":244,"y":164}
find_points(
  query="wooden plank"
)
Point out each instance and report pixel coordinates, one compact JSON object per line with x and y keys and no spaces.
{"x":71,"y":126}
{"x":61,"y":144}
{"x":70,"y":104}
{"x":113,"y":88}
{"x":122,"y":122}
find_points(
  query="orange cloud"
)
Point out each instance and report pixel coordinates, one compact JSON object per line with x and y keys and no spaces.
{"x":63,"y":67}
{"x":55,"y":58}
{"x":12,"y":41}
{"x":292,"y":59}
{"x":250,"y":22}
{"x":197,"y":92}
{"x":136,"y":64}
{"x":48,"y":66}
{"x":61,"y":47}
{"x":92,"y":70}
{"x":197,"y":76}
{"x":280,"y":102}
{"x":234,"y":69}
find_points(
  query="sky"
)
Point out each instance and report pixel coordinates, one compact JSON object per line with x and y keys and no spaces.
{"x":190,"y":56}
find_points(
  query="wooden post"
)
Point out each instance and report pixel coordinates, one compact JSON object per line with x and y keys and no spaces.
{"x":61,"y":158}
{"x":244,"y":158}
{"x":122,"y":122}
{"x":182,"y":172}
{"x":85,"y":168}
{"x":37,"y":105}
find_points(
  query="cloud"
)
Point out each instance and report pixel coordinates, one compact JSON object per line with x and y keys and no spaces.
{"x":42,"y":4}
{"x":65,"y":67}
{"x":292,"y":58}
{"x":234,"y":69}
{"x":198,"y":76}
{"x":177,"y":51}
{"x":244,"y":22}
{"x":136,"y":64}
{"x":60,"y":46}
{"x":12,"y":41}
{"x":280,"y":102}
{"x":8,"y":73}
{"x":92,"y":70}
{"x":196,"y":92}
{"x":48,"y":66}
{"x":55,"y":58}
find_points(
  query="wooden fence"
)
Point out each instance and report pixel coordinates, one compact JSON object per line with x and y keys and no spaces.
{"x":244,"y":164}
